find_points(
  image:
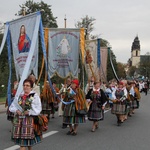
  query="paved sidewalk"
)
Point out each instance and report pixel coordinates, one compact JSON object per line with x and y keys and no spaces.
{"x":3,"y":109}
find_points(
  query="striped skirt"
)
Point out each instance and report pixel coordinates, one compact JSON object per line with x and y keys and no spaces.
{"x":95,"y":112}
{"x":70,"y":116}
{"x":119,"y":108}
{"x":134,"y":104}
{"x":23,"y":133}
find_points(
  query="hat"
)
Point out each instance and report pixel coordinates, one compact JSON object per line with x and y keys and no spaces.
{"x":75,"y":81}
{"x":120,"y":83}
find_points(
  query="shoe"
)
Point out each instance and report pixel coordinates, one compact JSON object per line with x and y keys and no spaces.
{"x":93,"y":130}
{"x":74,"y":133}
{"x":129,"y":115}
{"x":96,"y":127}
{"x":70,"y":132}
{"x":119,"y":122}
{"x":64,"y":126}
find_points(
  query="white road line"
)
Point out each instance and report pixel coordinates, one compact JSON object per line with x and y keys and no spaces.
{"x":107,"y":110}
{"x":49,"y":134}
{"x":15,"y":147}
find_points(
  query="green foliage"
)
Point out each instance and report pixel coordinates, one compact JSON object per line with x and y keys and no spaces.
{"x":110,"y":74}
{"x":121,"y":70}
{"x":132,"y":70}
{"x":48,"y":19}
{"x":86,"y":23}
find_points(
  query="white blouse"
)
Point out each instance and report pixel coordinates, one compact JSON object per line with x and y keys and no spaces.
{"x":36,"y":105}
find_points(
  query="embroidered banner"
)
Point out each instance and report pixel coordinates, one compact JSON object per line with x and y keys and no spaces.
{"x":96,"y":59}
{"x":63,"y":53}
{"x":92,"y":59}
{"x":21,"y":35}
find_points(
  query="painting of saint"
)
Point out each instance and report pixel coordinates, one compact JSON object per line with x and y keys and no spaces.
{"x":24,"y":41}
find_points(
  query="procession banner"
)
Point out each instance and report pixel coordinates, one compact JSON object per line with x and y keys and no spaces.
{"x":103,"y":67}
{"x":92,"y":67}
{"x":21,"y":35}
{"x":63,"y":52}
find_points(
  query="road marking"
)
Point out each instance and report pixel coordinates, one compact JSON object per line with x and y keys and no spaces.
{"x":107,"y":110}
{"x":15,"y":147}
{"x":49,"y":134}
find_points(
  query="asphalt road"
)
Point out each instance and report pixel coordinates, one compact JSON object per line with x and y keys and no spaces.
{"x":134,"y":134}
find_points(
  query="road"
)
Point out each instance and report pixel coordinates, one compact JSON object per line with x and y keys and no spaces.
{"x":134,"y":134}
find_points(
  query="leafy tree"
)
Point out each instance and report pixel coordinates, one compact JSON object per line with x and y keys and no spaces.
{"x":48,"y":19}
{"x":132,"y":70}
{"x":87,"y":23}
{"x":121,"y":70}
{"x":110,"y":73}
{"x":1,"y":27}
{"x":144,"y":65}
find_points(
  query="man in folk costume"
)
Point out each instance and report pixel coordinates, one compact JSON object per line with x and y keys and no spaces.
{"x":98,"y":101}
{"x":119,"y":102}
{"x":75,"y":103}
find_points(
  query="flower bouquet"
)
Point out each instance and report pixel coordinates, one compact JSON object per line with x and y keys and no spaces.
{"x":26,"y":103}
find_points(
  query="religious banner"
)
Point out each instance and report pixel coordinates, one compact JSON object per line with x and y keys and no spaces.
{"x":63,"y":52}
{"x":103,"y":67}
{"x":21,"y":31}
{"x":91,"y":59}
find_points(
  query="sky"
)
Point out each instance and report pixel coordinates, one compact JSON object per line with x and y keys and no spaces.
{"x":117,"y":21}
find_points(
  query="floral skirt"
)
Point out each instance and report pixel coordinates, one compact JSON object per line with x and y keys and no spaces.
{"x":70,"y":116}
{"x":23,"y":132}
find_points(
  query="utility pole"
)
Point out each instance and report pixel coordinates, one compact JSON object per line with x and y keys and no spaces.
{"x":65,"y":21}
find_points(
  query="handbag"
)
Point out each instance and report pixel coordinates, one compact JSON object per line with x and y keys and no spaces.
{"x":81,"y":112}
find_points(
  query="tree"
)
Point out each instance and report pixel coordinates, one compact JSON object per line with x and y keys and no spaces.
{"x":1,"y":27}
{"x":48,"y":19}
{"x":144,"y":66}
{"x":121,"y":70}
{"x":87,"y":23}
{"x":132,"y":70}
{"x":110,"y":73}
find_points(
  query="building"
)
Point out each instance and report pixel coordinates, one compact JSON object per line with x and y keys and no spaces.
{"x":135,"y":52}
{"x":141,"y":62}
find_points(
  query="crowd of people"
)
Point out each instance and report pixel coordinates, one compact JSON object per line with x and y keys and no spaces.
{"x":72,"y":103}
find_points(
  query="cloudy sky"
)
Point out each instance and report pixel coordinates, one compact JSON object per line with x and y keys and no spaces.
{"x":117,"y":21}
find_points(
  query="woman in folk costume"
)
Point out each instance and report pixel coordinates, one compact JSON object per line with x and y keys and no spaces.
{"x":99,"y":100}
{"x":135,"y":97}
{"x":23,"y":132}
{"x":119,"y":102}
{"x":74,"y":101}
{"x":47,"y":99}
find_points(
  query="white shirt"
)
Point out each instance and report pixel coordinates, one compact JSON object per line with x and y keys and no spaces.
{"x":36,"y":105}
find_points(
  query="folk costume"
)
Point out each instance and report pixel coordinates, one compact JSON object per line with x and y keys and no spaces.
{"x":23,"y":131}
{"x":119,"y":103}
{"x":134,"y":96}
{"x":48,"y":100}
{"x":99,"y":99}
{"x":74,"y":105}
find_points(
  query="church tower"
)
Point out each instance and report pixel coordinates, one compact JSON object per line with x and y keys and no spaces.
{"x":135,"y":52}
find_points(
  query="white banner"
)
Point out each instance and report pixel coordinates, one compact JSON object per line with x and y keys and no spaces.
{"x":91,"y":53}
{"x":21,"y":36}
{"x":63,"y":52}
